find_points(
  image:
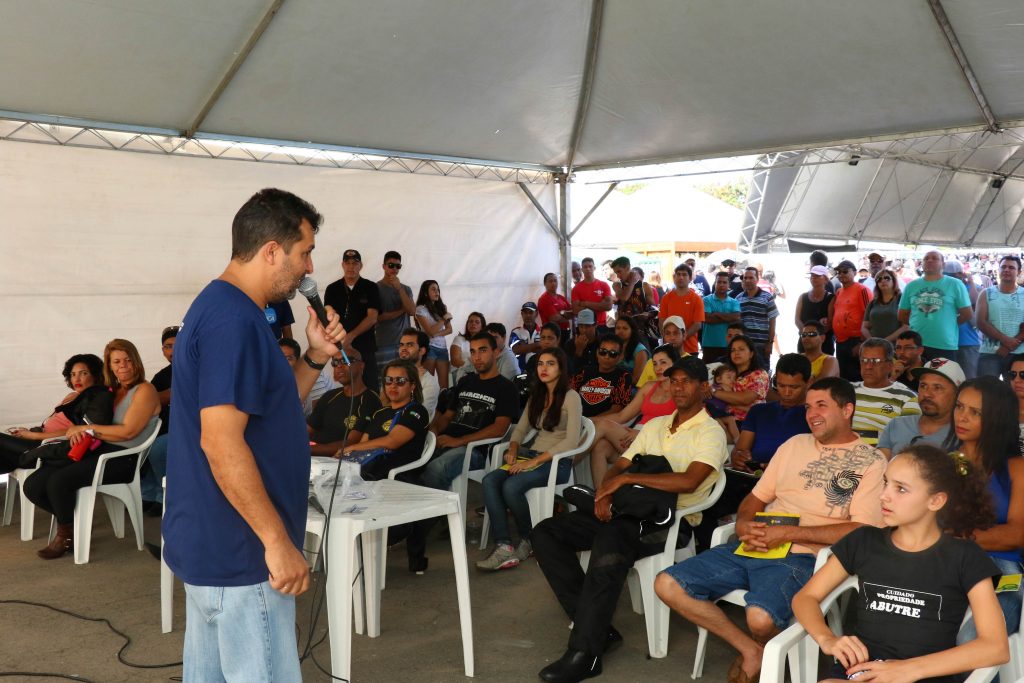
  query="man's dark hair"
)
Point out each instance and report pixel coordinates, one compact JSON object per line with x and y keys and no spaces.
{"x":585,"y":259}
{"x":91,"y":361}
{"x":816,"y":324}
{"x":794,"y":364}
{"x":498,"y":329}
{"x":756,"y":271}
{"x":610,"y":339}
{"x":486,"y":336}
{"x":291,"y":344}
{"x":839,"y":389}
{"x":621,"y":262}
{"x":552,"y":327}
{"x":270,"y":215}
{"x":169,"y":333}
{"x":722,"y":273}
{"x":683,"y":267}
{"x":422,"y":340}
{"x":737,"y":326}
{"x":819,"y":258}
{"x":1011,"y":257}
{"x":392,"y":255}
{"x":912,"y":336}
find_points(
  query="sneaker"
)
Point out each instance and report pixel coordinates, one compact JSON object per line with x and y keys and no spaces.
{"x":503,"y":557}
{"x":524,"y":550}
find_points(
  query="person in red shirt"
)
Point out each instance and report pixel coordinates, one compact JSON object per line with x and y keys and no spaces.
{"x":592,"y":294}
{"x":687,"y":304}
{"x":553,"y":307}
{"x":845,"y":316}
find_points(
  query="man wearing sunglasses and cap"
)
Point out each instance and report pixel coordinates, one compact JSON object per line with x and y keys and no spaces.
{"x":607,"y":387}
{"x":357,"y":301}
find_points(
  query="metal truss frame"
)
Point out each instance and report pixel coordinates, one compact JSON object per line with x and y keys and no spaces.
{"x":154,"y":141}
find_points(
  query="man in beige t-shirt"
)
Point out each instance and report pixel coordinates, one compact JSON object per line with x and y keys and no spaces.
{"x":830,"y":478}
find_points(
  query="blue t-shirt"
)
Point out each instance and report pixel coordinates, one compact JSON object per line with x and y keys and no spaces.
{"x":933,"y":306}
{"x":226,"y":355}
{"x":278,"y":315}
{"x":902,"y":432}
{"x":713,"y":334}
{"x":773,"y":425}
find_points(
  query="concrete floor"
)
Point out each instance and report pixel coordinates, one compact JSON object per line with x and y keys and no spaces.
{"x":518,"y":625}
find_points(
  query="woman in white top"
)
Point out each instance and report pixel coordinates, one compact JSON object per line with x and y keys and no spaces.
{"x":475,"y":323}
{"x":432,"y":317}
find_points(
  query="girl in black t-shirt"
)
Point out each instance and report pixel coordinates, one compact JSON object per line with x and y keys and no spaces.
{"x":397,"y":431}
{"x":916,"y":578}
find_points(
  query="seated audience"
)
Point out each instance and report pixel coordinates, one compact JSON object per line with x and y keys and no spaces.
{"x":879,"y":399}
{"x":634,"y":353}
{"x":155,"y":467}
{"x":673,"y":333}
{"x":908,"y":351}
{"x":985,"y":419}
{"x":938,"y":383}
{"x":291,"y":350}
{"x":506,"y":361}
{"x":54,"y":486}
{"x":334,"y":417}
{"x":398,"y":429}
{"x":723,"y":378}
{"x":832,"y":479}
{"x":917,"y":577}
{"x":1015,"y":376}
{"x":751,"y":385}
{"x":766,"y":427}
{"x":475,"y":324}
{"x":613,"y":437}
{"x":412,"y":347}
{"x":550,"y":337}
{"x":695,"y":446}
{"x":583,"y":350}
{"x":89,"y":401}
{"x":525,"y":339}
{"x":554,"y":410}
{"x":812,"y":337}
{"x":605,"y":388}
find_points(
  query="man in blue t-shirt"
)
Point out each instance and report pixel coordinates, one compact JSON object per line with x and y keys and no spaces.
{"x":238,"y":462}
{"x":766,"y":427}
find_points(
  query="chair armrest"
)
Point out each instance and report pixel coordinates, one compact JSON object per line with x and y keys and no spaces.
{"x":723,"y":534}
{"x":773,"y":662}
{"x":428,"y":451}
{"x":983,"y":675}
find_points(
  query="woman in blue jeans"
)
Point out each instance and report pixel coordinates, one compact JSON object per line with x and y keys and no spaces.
{"x":556,"y":412}
{"x":985,"y":420}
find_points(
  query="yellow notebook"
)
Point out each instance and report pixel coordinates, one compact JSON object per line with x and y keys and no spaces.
{"x":519,"y":458}
{"x":772,"y":519}
{"x":1008,"y":583}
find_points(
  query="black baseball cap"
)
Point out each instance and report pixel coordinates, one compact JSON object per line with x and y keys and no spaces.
{"x":692,"y":366}
{"x":351,"y":255}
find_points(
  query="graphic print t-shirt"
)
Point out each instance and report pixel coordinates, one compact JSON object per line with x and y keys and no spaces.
{"x":911,"y":603}
{"x":478,"y":402}
{"x":600,"y":391}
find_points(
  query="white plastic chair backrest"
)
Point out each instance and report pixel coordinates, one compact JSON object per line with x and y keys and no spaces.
{"x":428,"y":450}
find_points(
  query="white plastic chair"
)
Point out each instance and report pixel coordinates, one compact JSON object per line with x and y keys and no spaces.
{"x":15,"y":482}
{"x":166,"y":582}
{"x":1014,"y":669}
{"x":542,"y":498}
{"x":738,"y":597}
{"x":116,"y":497}
{"x":428,"y":450}
{"x":460,"y":484}
{"x":802,"y":650}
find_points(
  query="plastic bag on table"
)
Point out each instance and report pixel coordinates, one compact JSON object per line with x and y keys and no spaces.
{"x":347,"y":489}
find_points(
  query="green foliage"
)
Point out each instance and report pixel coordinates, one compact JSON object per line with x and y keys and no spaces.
{"x":733,"y":192}
{"x":632,"y":188}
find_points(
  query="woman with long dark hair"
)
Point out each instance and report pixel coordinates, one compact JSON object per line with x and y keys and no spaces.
{"x":985,"y":421}
{"x":432,"y":317}
{"x":475,"y":324}
{"x":634,"y":353}
{"x":556,"y":412}
{"x":752,"y":381}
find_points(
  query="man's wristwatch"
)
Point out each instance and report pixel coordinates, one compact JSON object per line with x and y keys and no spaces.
{"x":311,"y":363}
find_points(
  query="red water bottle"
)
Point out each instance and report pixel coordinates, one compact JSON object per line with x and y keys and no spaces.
{"x":83,"y":445}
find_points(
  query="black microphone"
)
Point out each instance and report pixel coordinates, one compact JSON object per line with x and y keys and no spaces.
{"x":307,"y":288}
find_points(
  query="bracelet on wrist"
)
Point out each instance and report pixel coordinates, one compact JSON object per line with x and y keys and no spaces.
{"x":313,"y":364}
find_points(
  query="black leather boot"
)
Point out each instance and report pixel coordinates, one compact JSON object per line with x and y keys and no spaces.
{"x":574,"y":666}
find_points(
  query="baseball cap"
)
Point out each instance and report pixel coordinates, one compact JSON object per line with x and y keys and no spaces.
{"x":529,"y":306}
{"x":876,"y":255}
{"x":585,"y":317}
{"x":846,"y":264}
{"x":692,"y":366}
{"x":675,"y":320}
{"x":728,"y":262}
{"x":352,"y":255}
{"x":952,"y":267}
{"x":942,"y":366}
{"x":819,"y":270}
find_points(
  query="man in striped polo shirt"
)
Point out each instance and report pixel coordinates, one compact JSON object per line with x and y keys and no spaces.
{"x":879,"y":399}
{"x":758,"y":314}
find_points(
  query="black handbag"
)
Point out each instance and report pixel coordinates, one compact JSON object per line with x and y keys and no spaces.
{"x":643,"y":502}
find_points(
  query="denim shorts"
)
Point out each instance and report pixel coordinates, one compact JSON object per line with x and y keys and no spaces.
{"x":770,"y":584}
{"x":437,"y":353}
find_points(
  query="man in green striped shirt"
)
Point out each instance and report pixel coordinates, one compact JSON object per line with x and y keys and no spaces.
{"x":879,"y":399}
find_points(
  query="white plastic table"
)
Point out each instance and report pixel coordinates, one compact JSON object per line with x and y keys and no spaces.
{"x":394,"y":503}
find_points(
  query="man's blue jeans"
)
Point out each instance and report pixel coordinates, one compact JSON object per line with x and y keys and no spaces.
{"x":445,"y":468}
{"x":240,"y":633}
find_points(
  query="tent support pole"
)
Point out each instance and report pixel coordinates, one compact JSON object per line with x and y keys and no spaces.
{"x":587,"y":85}
{"x":965,"y":66}
{"x":564,"y":236}
{"x":552,"y":225}
{"x":236,"y":64}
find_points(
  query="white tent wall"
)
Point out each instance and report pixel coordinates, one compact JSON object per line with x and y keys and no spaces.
{"x":100,"y":245}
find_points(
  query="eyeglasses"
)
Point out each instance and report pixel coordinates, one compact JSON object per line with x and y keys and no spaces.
{"x":884,"y":278}
{"x":608,"y":353}
{"x":1013,"y":374}
{"x":873,"y":361}
{"x":841,"y":271}
{"x":808,"y":334}
{"x":393,"y":266}
{"x":400,"y":381}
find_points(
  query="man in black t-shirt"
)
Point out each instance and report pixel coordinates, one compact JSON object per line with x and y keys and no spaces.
{"x":357,"y":302}
{"x":335,"y":415}
{"x":607,"y":387}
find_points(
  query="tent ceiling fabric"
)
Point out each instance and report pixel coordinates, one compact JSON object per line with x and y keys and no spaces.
{"x":493,"y":80}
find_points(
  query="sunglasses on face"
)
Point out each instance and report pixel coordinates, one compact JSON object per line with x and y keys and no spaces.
{"x":335,"y":362}
{"x":394,"y":266}
{"x":885,"y":278}
{"x":608,"y":353}
{"x":1014,"y":374}
{"x":844,"y":271}
{"x":400,"y":381}
{"x":808,"y":334}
